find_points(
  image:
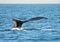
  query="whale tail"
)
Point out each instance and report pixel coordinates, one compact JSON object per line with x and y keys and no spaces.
{"x":35,"y":18}
{"x":19,"y":22}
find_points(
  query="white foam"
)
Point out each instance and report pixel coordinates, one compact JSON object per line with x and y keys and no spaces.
{"x":17,"y":29}
{"x":34,"y":29}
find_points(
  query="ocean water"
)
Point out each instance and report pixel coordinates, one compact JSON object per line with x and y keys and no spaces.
{"x":37,"y":31}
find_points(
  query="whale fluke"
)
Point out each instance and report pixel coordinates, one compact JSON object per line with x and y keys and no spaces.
{"x":35,"y":18}
{"x":18,"y":23}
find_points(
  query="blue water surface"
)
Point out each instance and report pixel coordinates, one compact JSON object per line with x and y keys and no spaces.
{"x":49,"y":29}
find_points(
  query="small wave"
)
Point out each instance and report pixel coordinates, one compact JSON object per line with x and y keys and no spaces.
{"x":25,"y":29}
